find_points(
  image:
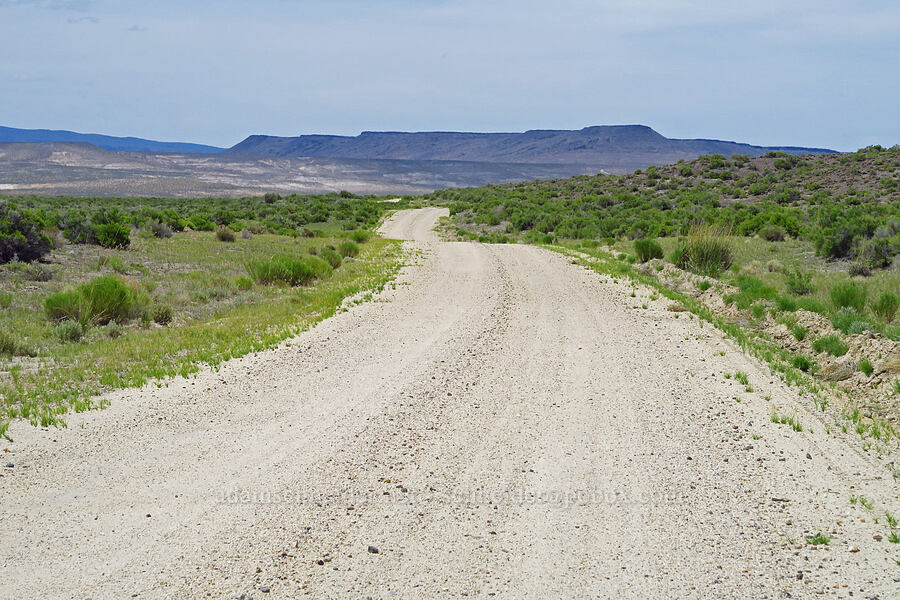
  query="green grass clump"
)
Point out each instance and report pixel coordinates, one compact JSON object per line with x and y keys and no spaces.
{"x":865,"y":365}
{"x":331,"y":257}
{"x":705,"y":250}
{"x":225,"y":234}
{"x":647,"y":249}
{"x":885,"y":308}
{"x":5,"y":299}
{"x":243,"y":283}
{"x":10,"y":346}
{"x":798,"y":282}
{"x":758,"y":310}
{"x":831,"y":344}
{"x":704,"y":285}
{"x":820,"y":539}
{"x":360,"y":236}
{"x":848,"y":320}
{"x":800,"y":332}
{"x":348,"y":248}
{"x":849,"y":294}
{"x":287,"y":269}
{"x":742,"y":378}
{"x":801,"y":362}
{"x":97,"y":302}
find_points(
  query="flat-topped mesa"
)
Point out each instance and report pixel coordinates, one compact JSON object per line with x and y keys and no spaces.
{"x":604,"y":147}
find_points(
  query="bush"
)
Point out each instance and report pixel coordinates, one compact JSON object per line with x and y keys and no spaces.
{"x":831,"y":344}
{"x":886,"y":307}
{"x":859,"y":270}
{"x":849,"y":293}
{"x":331,"y":257}
{"x":798,"y":282}
{"x":97,"y":302}
{"x":288,"y":269}
{"x":224,"y":234}
{"x":348,"y":248}
{"x":876,"y":253}
{"x":846,"y":318}
{"x":21,"y":235}
{"x":9,"y":345}
{"x":68,"y":331}
{"x":865,"y":365}
{"x":360,"y":236}
{"x":163,"y":314}
{"x":772,"y":233}
{"x":786,"y":304}
{"x":801,"y":362}
{"x":113,"y":235}
{"x":160,"y":230}
{"x":706,"y":251}
{"x":37,"y":272}
{"x":647,"y":249}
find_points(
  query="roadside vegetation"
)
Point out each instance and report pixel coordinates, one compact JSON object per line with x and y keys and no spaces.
{"x":198,"y":282}
{"x":796,"y":258}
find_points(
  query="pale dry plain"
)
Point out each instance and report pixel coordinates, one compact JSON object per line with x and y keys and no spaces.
{"x":502,"y":423}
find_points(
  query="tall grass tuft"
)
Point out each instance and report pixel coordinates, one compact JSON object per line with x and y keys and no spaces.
{"x":360,"y":236}
{"x":885,"y":308}
{"x":849,"y":293}
{"x":348,"y":248}
{"x":287,"y":269}
{"x":647,"y":249}
{"x":705,"y":250}
{"x":97,"y":302}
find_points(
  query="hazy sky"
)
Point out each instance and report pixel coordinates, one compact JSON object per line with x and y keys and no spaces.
{"x":803,"y":72}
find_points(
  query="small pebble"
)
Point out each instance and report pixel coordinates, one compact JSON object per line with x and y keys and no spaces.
{"x":373,"y":549}
{"x":9,"y":465}
{"x":264,"y":590}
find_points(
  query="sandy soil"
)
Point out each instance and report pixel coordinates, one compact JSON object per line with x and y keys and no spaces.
{"x":501,"y":424}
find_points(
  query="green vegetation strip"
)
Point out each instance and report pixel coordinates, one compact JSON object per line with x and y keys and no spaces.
{"x":74,"y":375}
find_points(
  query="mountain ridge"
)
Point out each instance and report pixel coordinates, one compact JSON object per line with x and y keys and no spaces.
{"x":607,"y":147}
{"x":106,"y":142}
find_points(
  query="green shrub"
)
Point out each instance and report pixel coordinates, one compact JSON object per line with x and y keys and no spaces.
{"x":360,"y":236}
{"x":772,"y":232}
{"x":786,"y":304}
{"x":68,"y":331}
{"x":859,"y":270}
{"x":801,"y":362}
{"x":289,"y":270}
{"x":849,"y":293}
{"x":112,"y":235}
{"x":243,"y":283}
{"x":21,"y":235}
{"x":812,"y":305}
{"x":704,"y":285}
{"x":117,"y":264}
{"x":348,"y":248}
{"x":865,"y":365}
{"x":647,"y":249}
{"x":163,"y":314}
{"x":799,"y":332}
{"x":831,"y":344}
{"x":224,"y":234}
{"x":876,"y":253}
{"x":5,"y":299}
{"x":848,"y":320}
{"x":758,"y":310}
{"x":885,"y":308}
{"x":798,"y":282}
{"x":10,"y":346}
{"x":331,"y":257}
{"x":705,"y":250}
{"x":97,"y":302}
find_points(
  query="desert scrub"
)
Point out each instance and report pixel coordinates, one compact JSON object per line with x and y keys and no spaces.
{"x":647,"y":249}
{"x":798,"y":282}
{"x":68,"y":331}
{"x":849,"y":294}
{"x":81,"y":371}
{"x":360,"y":236}
{"x":831,"y":344}
{"x":705,"y":250}
{"x":287,"y":269}
{"x":97,"y":302}
{"x":348,"y":249}
{"x":331,"y":257}
{"x":163,"y":314}
{"x":885,"y":308}
{"x":225,"y":234}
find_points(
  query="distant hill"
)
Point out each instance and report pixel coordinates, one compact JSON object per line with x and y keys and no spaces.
{"x":132,"y":144}
{"x":613,"y":148}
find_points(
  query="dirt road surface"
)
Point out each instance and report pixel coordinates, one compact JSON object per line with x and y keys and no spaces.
{"x":501,"y":423}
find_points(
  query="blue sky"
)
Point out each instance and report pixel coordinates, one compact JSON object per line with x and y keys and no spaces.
{"x":815,"y":73}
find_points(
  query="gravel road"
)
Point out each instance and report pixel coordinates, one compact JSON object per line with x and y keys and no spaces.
{"x":500,"y":423}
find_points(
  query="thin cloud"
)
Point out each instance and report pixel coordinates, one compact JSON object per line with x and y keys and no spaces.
{"x":79,"y":20}
{"x":140,"y":28}
{"x":75,"y":5}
